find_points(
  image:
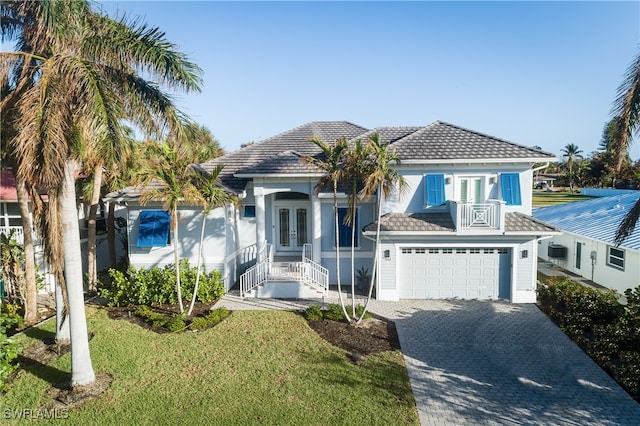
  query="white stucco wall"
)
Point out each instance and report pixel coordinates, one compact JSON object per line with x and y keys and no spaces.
{"x":189,"y":227}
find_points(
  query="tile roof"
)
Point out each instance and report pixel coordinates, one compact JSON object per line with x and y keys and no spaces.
{"x":597,"y":218}
{"x":285,"y":152}
{"x":442,"y":222}
{"x":297,"y":139}
{"x":444,"y":141}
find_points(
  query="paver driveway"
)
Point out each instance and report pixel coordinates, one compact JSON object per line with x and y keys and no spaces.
{"x":491,"y":363}
{"x":474,"y":362}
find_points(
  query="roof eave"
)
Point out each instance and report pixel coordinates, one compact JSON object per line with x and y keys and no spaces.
{"x":278,"y":175}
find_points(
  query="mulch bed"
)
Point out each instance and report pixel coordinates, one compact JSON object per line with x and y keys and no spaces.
{"x":371,"y":336}
{"x":126,"y":313}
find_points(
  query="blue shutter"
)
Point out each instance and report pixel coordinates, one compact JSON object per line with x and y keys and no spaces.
{"x":344,"y":231}
{"x":434,"y":189}
{"x":153,"y":230}
{"x":510,"y":183}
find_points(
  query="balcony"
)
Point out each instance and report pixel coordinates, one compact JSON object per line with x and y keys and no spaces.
{"x":478,"y":218}
{"x":18,"y":233}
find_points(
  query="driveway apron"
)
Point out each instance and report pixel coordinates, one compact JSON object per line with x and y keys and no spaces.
{"x":495,"y":363}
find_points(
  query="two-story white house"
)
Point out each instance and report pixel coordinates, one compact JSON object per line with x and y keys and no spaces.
{"x":464,"y":230}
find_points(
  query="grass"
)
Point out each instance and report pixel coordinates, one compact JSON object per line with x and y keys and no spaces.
{"x":265,"y":367}
{"x":541,"y":199}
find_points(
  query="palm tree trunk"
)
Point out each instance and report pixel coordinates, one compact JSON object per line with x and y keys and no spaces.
{"x":337,"y":220}
{"x":31,"y":296}
{"x":81,"y":368}
{"x":376,"y":255}
{"x":111,"y":234}
{"x":91,"y":228}
{"x":63,"y":333}
{"x":353,"y":258}
{"x":176,"y":259}
{"x":195,"y":288}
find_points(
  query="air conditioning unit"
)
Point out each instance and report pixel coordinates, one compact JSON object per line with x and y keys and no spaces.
{"x":556,"y":251}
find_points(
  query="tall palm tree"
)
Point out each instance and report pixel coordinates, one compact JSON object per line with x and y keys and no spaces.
{"x":627,"y":108}
{"x":212,"y":195}
{"x":8,"y":156}
{"x":357,"y":166}
{"x":571,"y":152}
{"x":167,"y":177}
{"x":331,"y":162}
{"x":76,"y":67}
{"x":382,"y":180}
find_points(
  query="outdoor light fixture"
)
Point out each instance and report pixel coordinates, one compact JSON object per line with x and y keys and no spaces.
{"x":387,"y":254}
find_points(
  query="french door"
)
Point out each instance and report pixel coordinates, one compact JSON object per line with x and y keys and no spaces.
{"x":292,"y":227}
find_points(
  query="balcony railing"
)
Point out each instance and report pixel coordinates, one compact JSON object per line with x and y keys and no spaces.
{"x":483,"y":216}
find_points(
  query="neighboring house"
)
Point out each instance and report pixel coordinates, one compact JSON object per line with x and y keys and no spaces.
{"x":10,"y":220}
{"x":464,"y":230}
{"x":586,"y":246}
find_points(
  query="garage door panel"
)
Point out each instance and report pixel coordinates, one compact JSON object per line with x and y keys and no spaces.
{"x":469,"y":273}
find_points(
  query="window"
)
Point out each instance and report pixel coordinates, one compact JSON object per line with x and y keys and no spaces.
{"x":510,"y":184}
{"x":615,"y":257}
{"x":406,"y":251}
{"x":420,"y":251}
{"x":434,"y":251}
{"x":249,"y":212}
{"x":153,"y":230}
{"x":434,"y":190}
{"x":344,"y":231}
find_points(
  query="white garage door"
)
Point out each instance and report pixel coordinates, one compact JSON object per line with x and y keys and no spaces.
{"x":466,"y":273}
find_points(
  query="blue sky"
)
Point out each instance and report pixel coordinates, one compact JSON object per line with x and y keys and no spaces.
{"x":536,"y":73}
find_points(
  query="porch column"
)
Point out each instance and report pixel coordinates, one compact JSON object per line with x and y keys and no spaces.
{"x":260,"y":220}
{"x":316,"y":228}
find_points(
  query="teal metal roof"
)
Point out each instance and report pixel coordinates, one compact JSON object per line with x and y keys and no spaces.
{"x":597,"y":218}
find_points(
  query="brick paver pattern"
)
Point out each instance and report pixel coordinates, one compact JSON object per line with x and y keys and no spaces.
{"x":492,"y":363}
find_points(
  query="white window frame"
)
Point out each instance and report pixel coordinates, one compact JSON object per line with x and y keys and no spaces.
{"x":613,"y":256}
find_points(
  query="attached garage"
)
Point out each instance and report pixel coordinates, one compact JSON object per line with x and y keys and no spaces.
{"x":466,"y":273}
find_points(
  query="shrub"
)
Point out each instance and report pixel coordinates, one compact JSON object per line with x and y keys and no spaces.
{"x":175,"y":323}
{"x":334,"y":312}
{"x":9,"y":350}
{"x":209,"y":320}
{"x":313,"y":313}
{"x":158,"y":285}
{"x":609,"y":332}
{"x":360,"y":309}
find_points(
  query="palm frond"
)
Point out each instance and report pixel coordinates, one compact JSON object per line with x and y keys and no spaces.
{"x":627,"y":108}
{"x":628,"y":224}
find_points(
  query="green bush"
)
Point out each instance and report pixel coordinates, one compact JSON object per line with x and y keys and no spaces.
{"x":608,"y":331}
{"x":209,"y":320}
{"x":158,"y":285}
{"x":313,"y":313}
{"x":360,"y":309}
{"x":9,"y":350}
{"x":334,"y":312}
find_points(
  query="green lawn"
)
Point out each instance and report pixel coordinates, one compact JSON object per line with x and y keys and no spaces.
{"x":260,"y":367}
{"x":543,"y":198}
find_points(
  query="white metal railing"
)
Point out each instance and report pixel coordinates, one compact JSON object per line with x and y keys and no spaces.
{"x":254,"y":276}
{"x":316,"y":275}
{"x":489,"y":215}
{"x":306,"y":272}
{"x":307,"y":251}
{"x":18,"y":232}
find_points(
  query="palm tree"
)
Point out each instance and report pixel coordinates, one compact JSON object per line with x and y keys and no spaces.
{"x":212,"y":195}
{"x":75,"y":68}
{"x":357,"y":167}
{"x":167,"y":176}
{"x":627,"y":108}
{"x":571,"y":152}
{"x":330,"y":162}
{"x":382,"y":180}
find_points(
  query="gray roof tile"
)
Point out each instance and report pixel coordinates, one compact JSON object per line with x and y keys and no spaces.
{"x":297,"y":139}
{"x":444,"y":141}
{"x":442,"y":222}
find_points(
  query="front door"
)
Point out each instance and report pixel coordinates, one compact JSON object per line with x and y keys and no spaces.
{"x":292,"y":227}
